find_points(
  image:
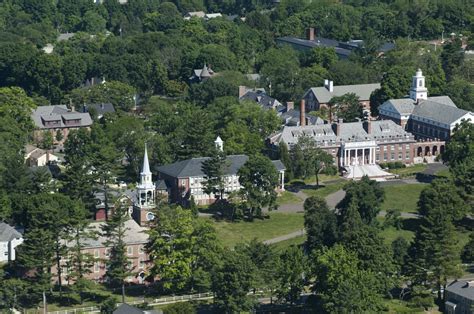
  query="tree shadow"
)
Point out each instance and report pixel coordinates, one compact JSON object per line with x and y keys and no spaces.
{"x":425,"y":178}
{"x":411,"y":224}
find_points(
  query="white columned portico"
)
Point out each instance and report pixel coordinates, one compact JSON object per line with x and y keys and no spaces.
{"x":350,"y":149}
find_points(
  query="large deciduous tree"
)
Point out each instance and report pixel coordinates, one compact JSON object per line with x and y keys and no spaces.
{"x":320,"y":224}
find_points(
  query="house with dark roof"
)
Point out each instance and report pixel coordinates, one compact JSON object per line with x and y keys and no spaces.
{"x":186,"y":179}
{"x":99,"y":110}
{"x":425,"y":117}
{"x":343,"y":49}
{"x":60,"y":119}
{"x":10,"y":238}
{"x":459,"y":296}
{"x":259,"y":96}
{"x":200,"y":75}
{"x":319,"y":97}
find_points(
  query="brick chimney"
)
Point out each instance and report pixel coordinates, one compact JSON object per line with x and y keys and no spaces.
{"x":337,"y":127}
{"x":242,"y":90}
{"x":302,"y":113}
{"x":290,"y":105}
{"x":310,"y":33}
{"x":368,"y":126}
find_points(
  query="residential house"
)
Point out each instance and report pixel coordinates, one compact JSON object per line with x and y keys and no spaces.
{"x":37,"y":157}
{"x":343,"y":49}
{"x":200,"y":75}
{"x":459,"y":296}
{"x":186,"y":179}
{"x":56,"y":119}
{"x":319,"y":97}
{"x":128,"y":309}
{"x":135,"y":240}
{"x":99,"y":110}
{"x":201,"y":15}
{"x":10,"y":238}
{"x":425,"y":117}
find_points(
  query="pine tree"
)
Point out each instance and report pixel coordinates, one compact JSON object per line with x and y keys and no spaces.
{"x":214,"y":170}
{"x":118,"y":265}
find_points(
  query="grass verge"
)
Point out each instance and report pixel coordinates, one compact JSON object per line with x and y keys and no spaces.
{"x":403,"y":197}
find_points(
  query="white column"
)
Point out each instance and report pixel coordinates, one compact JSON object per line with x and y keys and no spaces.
{"x":363,"y":156}
{"x":283,"y":180}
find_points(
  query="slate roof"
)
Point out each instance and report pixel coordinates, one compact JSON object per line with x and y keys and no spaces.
{"x":261,"y":98}
{"x":461,"y":288}
{"x":292,"y":117}
{"x":349,"y":132}
{"x":192,"y":167}
{"x":58,"y":113}
{"x":8,"y":233}
{"x":278,"y":165}
{"x":135,"y":234}
{"x":128,"y":309}
{"x":363,"y":91}
{"x":101,"y":108}
{"x":439,"y":109}
{"x":319,"y":42}
{"x":30,"y":148}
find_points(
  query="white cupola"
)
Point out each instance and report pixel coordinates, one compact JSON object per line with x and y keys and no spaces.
{"x":219,"y":144}
{"x":418,"y":89}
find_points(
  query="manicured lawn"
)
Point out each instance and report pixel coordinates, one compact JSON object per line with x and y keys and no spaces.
{"x":409,"y":171}
{"x":277,"y":225}
{"x":403,"y":197}
{"x":398,"y":306}
{"x":443,"y":173}
{"x":288,"y":198}
{"x":283,"y":245}
{"x":390,"y":234}
{"x":324,"y":190}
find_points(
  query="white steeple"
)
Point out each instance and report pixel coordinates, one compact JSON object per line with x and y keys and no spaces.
{"x":219,"y":144}
{"x":145,"y":175}
{"x":145,"y":195}
{"x":418,"y":89}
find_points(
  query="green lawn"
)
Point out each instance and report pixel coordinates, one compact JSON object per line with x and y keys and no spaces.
{"x":277,"y":225}
{"x":324,"y":191}
{"x":288,"y":198}
{"x":403,"y":197}
{"x":443,"y":173}
{"x":283,"y":245}
{"x":398,"y":306}
{"x":409,"y":171}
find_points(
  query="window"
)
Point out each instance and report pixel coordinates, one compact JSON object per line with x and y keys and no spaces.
{"x":384,"y":156}
{"x":96,"y":267}
{"x":141,"y":250}
{"x":96,"y":253}
{"x":378,"y":148}
{"x":141,"y":263}
{"x":407,"y":155}
{"x":392,"y":147}
{"x":400,"y":157}
{"x":407,"y":146}
{"x":377,"y":157}
{"x":392,"y":156}
{"x":130,"y":250}
{"x":107,"y":252}
{"x":384,"y":148}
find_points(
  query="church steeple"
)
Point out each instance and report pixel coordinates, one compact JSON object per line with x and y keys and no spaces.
{"x":418,"y":89}
{"x":146,"y":173}
{"x":145,"y":197}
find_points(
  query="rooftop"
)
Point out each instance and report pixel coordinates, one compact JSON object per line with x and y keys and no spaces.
{"x":58,"y":113}
{"x":8,"y":233}
{"x":462,"y":288}
{"x":363,"y":91}
{"x":262,"y":99}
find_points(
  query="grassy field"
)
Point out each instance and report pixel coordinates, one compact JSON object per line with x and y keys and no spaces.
{"x":283,"y":245}
{"x":403,"y":197}
{"x":288,"y":198}
{"x":398,"y":306}
{"x":325,"y":190}
{"x":409,"y":171}
{"x":277,"y":225}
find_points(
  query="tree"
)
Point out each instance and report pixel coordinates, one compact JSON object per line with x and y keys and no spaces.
{"x":433,"y":255}
{"x":11,"y":292}
{"x":400,"y":251}
{"x":292,"y":274}
{"x":170,"y":247}
{"x":93,"y":22}
{"x":118,"y":265}
{"x":393,"y":219}
{"x":214,"y":170}
{"x":258,"y":178}
{"x":347,"y":107}
{"x":367,"y":195}
{"x":46,"y":140}
{"x":309,"y":159}
{"x":320,"y":224}
{"x":343,"y":285}
{"x":232,"y":281}
{"x":467,"y":254}
{"x":285,"y":158}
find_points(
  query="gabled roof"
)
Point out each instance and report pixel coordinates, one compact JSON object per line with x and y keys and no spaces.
{"x":462,"y":288}
{"x":363,"y":91}
{"x":292,"y":117}
{"x":192,"y":167}
{"x":58,"y":113}
{"x":99,"y":108}
{"x":278,"y":165}
{"x":8,"y":233}
{"x":262,"y":99}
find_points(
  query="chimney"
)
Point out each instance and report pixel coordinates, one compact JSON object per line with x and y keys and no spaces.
{"x":326,"y":83}
{"x":310,"y":33}
{"x":302,"y":113}
{"x":290,"y":105}
{"x":338,"y":127}
{"x":331,"y":86}
{"x":242,"y":90}
{"x":368,"y":126}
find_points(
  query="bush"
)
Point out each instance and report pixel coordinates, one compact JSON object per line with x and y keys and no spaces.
{"x":180,"y":308}
{"x":392,"y":165}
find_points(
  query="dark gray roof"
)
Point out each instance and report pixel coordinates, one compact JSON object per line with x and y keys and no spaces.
{"x":128,"y":309}
{"x":438,"y":112}
{"x":8,"y":233}
{"x":292,"y":117}
{"x":58,"y":113}
{"x":99,"y":108}
{"x":261,"y":98}
{"x":161,"y":185}
{"x":363,"y":91}
{"x":278,"y":165}
{"x":319,"y":42}
{"x":462,"y":288}
{"x":192,"y":167}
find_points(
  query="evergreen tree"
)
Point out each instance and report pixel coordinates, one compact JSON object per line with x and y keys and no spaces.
{"x":467,"y":254}
{"x":214,"y":170}
{"x":118,"y":265}
{"x":433,"y":255}
{"x":320,"y":223}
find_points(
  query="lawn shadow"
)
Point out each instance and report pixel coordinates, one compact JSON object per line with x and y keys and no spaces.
{"x":411,"y":224}
{"x":425,"y":178}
